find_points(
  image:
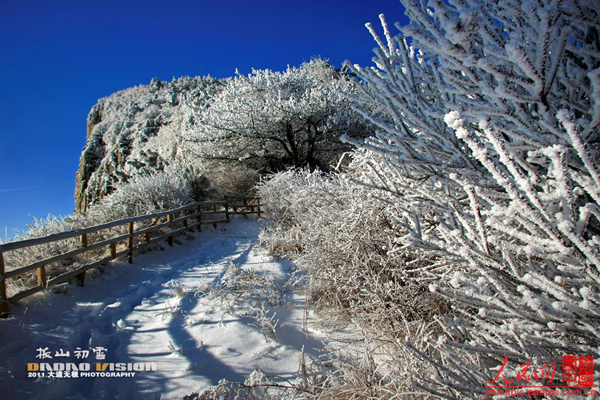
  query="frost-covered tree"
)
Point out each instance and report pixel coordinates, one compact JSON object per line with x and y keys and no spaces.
{"x":274,"y":120}
{"x":483,"y":180}
{"x":492,"y":164}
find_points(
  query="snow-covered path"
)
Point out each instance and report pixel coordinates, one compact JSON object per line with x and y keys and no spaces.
{"x":158,"y":310}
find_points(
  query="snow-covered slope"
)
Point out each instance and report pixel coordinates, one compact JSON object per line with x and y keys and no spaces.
{"x":193,"y":310}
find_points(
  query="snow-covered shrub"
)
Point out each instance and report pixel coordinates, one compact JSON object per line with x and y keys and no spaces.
{"x":333,"y":227}
{"x":252,"y":290}
{"x":22,"y":257}
{"x":491,"y":162}
{"x":488,"y":170}
{"x":144,"y":194}
{"x":265,"y":322}
{"x":258,"y":386}
{"x":358,"y":276}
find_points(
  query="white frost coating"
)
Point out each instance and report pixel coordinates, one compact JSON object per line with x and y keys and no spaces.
{"x":487,"y":156}
{"x":453,"y":120}
{"x":277,"y":120}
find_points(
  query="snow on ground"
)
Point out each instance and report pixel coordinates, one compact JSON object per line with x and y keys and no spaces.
{"x":161,"y":310}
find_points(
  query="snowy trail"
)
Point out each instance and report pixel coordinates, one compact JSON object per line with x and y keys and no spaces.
{"x":153,"y":312}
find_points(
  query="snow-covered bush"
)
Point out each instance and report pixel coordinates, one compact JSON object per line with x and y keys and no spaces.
{"x":492,"y":163}
{"x":488,"y":166}
{"x":252,"y":292}
{"x":145,"y":194}
{"x":357,"y":274}
{"x":258,"y":386}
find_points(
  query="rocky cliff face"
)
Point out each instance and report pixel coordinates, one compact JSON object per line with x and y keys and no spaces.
{"x":134,"y":131}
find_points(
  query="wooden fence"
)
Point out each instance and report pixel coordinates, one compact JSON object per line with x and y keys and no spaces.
{"x":171,"y":223}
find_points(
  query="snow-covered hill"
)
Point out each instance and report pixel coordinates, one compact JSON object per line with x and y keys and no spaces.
{"x":220,"y":132}
{"x":209,"y":309}
{"x":122,"y":127}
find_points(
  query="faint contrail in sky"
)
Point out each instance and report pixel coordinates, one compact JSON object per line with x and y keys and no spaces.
{"x":55,"y":184}
{"x":17,"y":189}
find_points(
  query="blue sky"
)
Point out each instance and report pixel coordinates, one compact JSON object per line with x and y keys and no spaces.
{"x":57,"y":58}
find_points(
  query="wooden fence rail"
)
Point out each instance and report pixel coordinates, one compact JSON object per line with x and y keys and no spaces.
{"x":178,"y":220}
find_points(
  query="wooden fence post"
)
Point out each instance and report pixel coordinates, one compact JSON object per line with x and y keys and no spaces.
{"x":3,"y":302}
{"x":113,"y":250}
{"x":84,"y":243}
{"x":227,"y":209}
{"x":41,"y":276}
{"x":199,"y":217}
{"x":258,"y":204}
{"x":170,"y":219}
{"x":130,"y":242}
{"x":214,"y":207}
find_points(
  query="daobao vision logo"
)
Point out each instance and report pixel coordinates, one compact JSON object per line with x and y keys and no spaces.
{"x":83,"y":369}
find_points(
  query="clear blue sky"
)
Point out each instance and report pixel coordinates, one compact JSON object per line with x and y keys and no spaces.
{"x":58,"y":57}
